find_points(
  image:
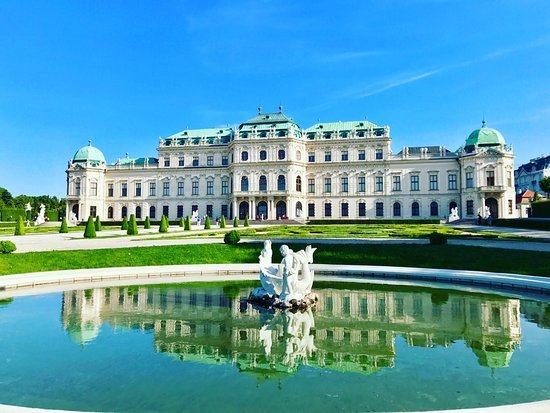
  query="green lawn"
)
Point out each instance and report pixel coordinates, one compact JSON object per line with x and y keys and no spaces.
{"x":427,"y":256}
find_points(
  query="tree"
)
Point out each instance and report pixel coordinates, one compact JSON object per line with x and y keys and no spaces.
{"x":98,"y":226}
{"x":235,"y":222}
{"x":163,"y":224}
{"x":89,"y":232}
{"x":536,"y":196}
{"x":246,"y":223}
{"x":187,"y":226}
{"x":147,"y":224}
{"x":64,"y":228}
{"x":132,"y":226}
{"x":232,"y":237}
{"x":207,"y":222}
{"x":181,"y":222}
{"x":124,"y":224}
{"x":222,"y":222}
{"x":544,"y":184}
{"x":19,"y":226}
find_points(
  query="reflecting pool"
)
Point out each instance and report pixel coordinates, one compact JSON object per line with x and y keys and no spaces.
{"x":204,"y":348}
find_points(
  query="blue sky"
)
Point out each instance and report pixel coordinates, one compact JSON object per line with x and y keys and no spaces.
{"x":124,"y":73}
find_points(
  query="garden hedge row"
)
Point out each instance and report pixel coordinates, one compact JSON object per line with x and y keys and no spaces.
{"x":371,"y":221}
{"x":11,"y":214}
{"x":540,"y":209}
{"x":526,"y":223}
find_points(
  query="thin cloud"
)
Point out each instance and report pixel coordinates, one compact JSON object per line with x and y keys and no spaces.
{"x":375,"y":90}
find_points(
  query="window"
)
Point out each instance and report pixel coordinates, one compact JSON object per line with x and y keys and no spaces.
{"x":311,"y":210}
{"x":225,"y":187}
{"x":452,"y":181}
{"x":361,"y":184}
{"x":281,"y":183}
{"x":509,"y":175}
{"x":180,"y":211}
{"x":195,"y":161}
{"x":263,"y":155}
{"x":311,"y":157}
{"x":361,"y":155}
{"x":152,"y":212}
{"x":110,"y":191}
{"x":138,"y":188}
{"x":152,"y":189}
{"x":244,"y":156}
{"x":415,"y":209}
{"x":77,"y":187}
{"x":281,"y":154}
{"x":415,"y":183}
{"x":469,"y":179}
{"x":181,"y":188}
{"x":434,"y":209}
{"x":470,"y":207}
{"x":93,"y":188}
{"x":165,"y":210}
{"x":124,"y":212}
{"x":93,"y":211}
{"x":210,"y":210}
{"x":298,"y":184}
{"x":379,"y":154}
{"x":362,"y":209}
{"x":124,"y":189}
{"x":311,"y":185}
{"x":433,"y":183}
{"x":110,"y":212}
{"x":209,"y":187}
{"x":166,"y":162}
{"x":195,"y":188}
{"x":379,"y":183}
{"x":379,"y":209}
{"x":490,"y":178}
{"x":298,"y":155}
{"x":225,"y":160}
{"x":166,"y":188}
{"x":345,"y":209}
{"x":181,"y":161}
{"x":328,"y":156}
{"x":328,"y":185}
{"x":396,"y":209}
{"x":244,"y":183}
{"x":510,"y":207}
{"x":224,"y":211}
{"x":344,"y":184}
{"x":397,"y":183}
{"x":209,"y":160}
{"x":344,"y":155}
{"x":328,"y":209}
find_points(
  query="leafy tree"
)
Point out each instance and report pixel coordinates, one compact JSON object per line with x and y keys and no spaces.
{"x":147,"y":224}
{"x":544,"y":184}
{"x":89,"y":232}
{"x":19,"y":226}
{"x":98,"y":226}
{"x":124,"y":224}
{"x":222,"y":222}
{"x":187,"y":226}
{"x":64,"y":228}
{"x":246,"y":223}
{"x":536,"y":196}
{"x":235,"y":222}
{"x":132,"y":226}
{"x":6,"y":198}
{"x":163,"y":224}
{"x":207,"y":222}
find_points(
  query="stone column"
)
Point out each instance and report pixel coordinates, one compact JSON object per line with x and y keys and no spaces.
{"x":235,"y":210}
{"x":252,"y":211}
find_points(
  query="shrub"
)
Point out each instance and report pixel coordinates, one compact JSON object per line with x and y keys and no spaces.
{"x":181,"y":222}
{"x":437,"y":238}
{"x":541,"y":209}
{"x":64,"y":228}
{"x":89,"y":232}
{"x":235,"y":222}
{"x":7,"y":247}
{"x":187,"y":226}
{"x":19,"y":226}
{"x":124,"y":225}
{"x":222,"y":222}
{"x":147,"y":224}
{"x":98,"y":226}
{"x":132,"y":226}
{"x":232,"y":237}
{"x":246,"y":223}
{"x":207,"y":222}
{"x":163,"y":224}
{"x":11,"y":214}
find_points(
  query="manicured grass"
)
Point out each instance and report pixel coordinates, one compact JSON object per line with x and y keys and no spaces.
{"x":426,"y":256}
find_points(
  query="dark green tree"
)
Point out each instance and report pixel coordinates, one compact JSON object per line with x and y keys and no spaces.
{"x":89,"y":232}
{"x":98,"y":226}
{"x":222,"y":222}
{"x":207,"y":222}
{"x":147,"y":224}
{"x":246,"y":223}
{"x":132,"y":226}
{"x":544,"y":184}
{"x":163,"y":224}
{"x":235,"y":222}
{"x":124,"y":225}
{"x":181,"y":222}
{"x":187,"y":226}
{"x":64,"y":228}
{"x":19,"y":226}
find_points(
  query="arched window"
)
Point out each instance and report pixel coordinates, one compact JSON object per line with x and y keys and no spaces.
{"x":281,"y":183}
{"x":434,"y":209}
{"x":152,"y":212}
{"x":244,"y":183}
{"x":281,"y":154}
{"x":298,"y":184}
{"x":124,"y":212}
{"x":298,"y":155}
{"x":138,"y":212}
{"x":263,"y":155}
{"x":298,"y":209}
{"x":263,"y":183}
{"x":77,"y":187}
{"x":244,"y":156}
{"x":396,"y":209}
{"x":110,"y":212}
{"x":415,"y":209}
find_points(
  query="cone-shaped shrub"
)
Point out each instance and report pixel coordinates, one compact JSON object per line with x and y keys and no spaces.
{"x":235,"y":222}
{"x":132,"y":226}
{"x":64,"y":228}
{"x":207,"y":222}
{"x":187,"y":226}
{"x":147,"y":224}
{"x":232,"y":237}
{"x":181,"y":222}
{"x":163,"y":224}
{"x":19,"y":226}
{"x":222,"y":222}
{"x":98,"y":226}
{"x":89,"y":232}
{"x":124,"y":224}
{"x":246,"y":223}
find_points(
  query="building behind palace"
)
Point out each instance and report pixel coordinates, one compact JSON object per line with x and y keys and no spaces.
{"x":528,"y":175}
{"x":271,"y":168}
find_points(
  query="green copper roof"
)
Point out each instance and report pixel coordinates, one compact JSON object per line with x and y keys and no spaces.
{"x":137,"y":161}
{"x":89,"y":154}
{"x":265,"y":121}
{"x":269,"y":118}
{"x":485,"y":137}
{"x":209,"y":136}
{"x":342,"y":126}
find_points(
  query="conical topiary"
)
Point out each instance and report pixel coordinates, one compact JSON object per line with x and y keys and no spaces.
{"x":124,"y":224}
{"x":235,"y":222}
{"x":19,"y":226}
{"x":246,"y":223}
{"x":89,"y":232}
{"x":132,"y":226}
{"x":147,"y":224}
{"x":163,"y":224}
{"x":187,"y":226}
{"x":207,"y":222}
{"x":222,"y":222}
{"x":64,"y":228}
{"x":181,"y":222}
{"x":98,"y":226}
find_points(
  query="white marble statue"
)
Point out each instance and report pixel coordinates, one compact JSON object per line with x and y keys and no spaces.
{"x":28,"y":209}
{"x":486,"y":212}
{"x":453,"y":215}
{"x":73,"y":218}
{"x":40,"y":218}
{"x":195,"y":217}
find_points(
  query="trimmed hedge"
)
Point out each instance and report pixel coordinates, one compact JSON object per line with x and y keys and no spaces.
{"x":11,"y":214}
{"x":232,"y":237}
{"x":436,"y":238}
{"x":7,"y":247}
{"x":163,"y":227}
{"x":525,"y":223}
{"x":19,"y":226}
{"x":132,"y":226}
{"x":246,"y":222}
{"x":235,"y":222}
{"x":187,"y":226}
{"x":52,"y":215}
{"x":89,"y":232}
{"x":181,"y":222}
{"x":64,"y":228}
{"x":147,"y":223}
{"x":372,"y":221}
{"x":540,"y":209}
{"x":124,"y":225}
{"x":222,"y":222}
{"x":207,"y":222}
{"x":98,"y":226}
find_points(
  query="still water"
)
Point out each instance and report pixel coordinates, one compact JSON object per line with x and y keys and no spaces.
{"x":204,"y":348}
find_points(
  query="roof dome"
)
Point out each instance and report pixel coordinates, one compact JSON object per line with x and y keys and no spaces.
{"x":89,"y":153}
{"x":485,"y":137}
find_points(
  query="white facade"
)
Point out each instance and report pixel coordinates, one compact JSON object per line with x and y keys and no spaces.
{"x":529,"y":175}
{"x":271,"y":168}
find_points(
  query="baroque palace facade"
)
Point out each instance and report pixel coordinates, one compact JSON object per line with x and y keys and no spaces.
{"x":271,"y":168}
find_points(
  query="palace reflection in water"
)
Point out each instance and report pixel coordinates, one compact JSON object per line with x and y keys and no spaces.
{"x":350,"y":330}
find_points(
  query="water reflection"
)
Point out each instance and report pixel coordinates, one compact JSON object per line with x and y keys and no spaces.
{"x":350,"y":330}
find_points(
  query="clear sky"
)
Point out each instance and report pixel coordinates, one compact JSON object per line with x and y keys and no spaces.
{"x":124,"y":73}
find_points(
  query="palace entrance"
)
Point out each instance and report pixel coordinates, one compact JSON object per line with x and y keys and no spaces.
{"x":261,"y":210}
{"x":280,"y":209}
{"x":243,"y":210}
{"x":493,"y":207}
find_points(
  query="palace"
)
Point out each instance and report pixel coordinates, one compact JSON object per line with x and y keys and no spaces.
{"x":271,"y":168}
